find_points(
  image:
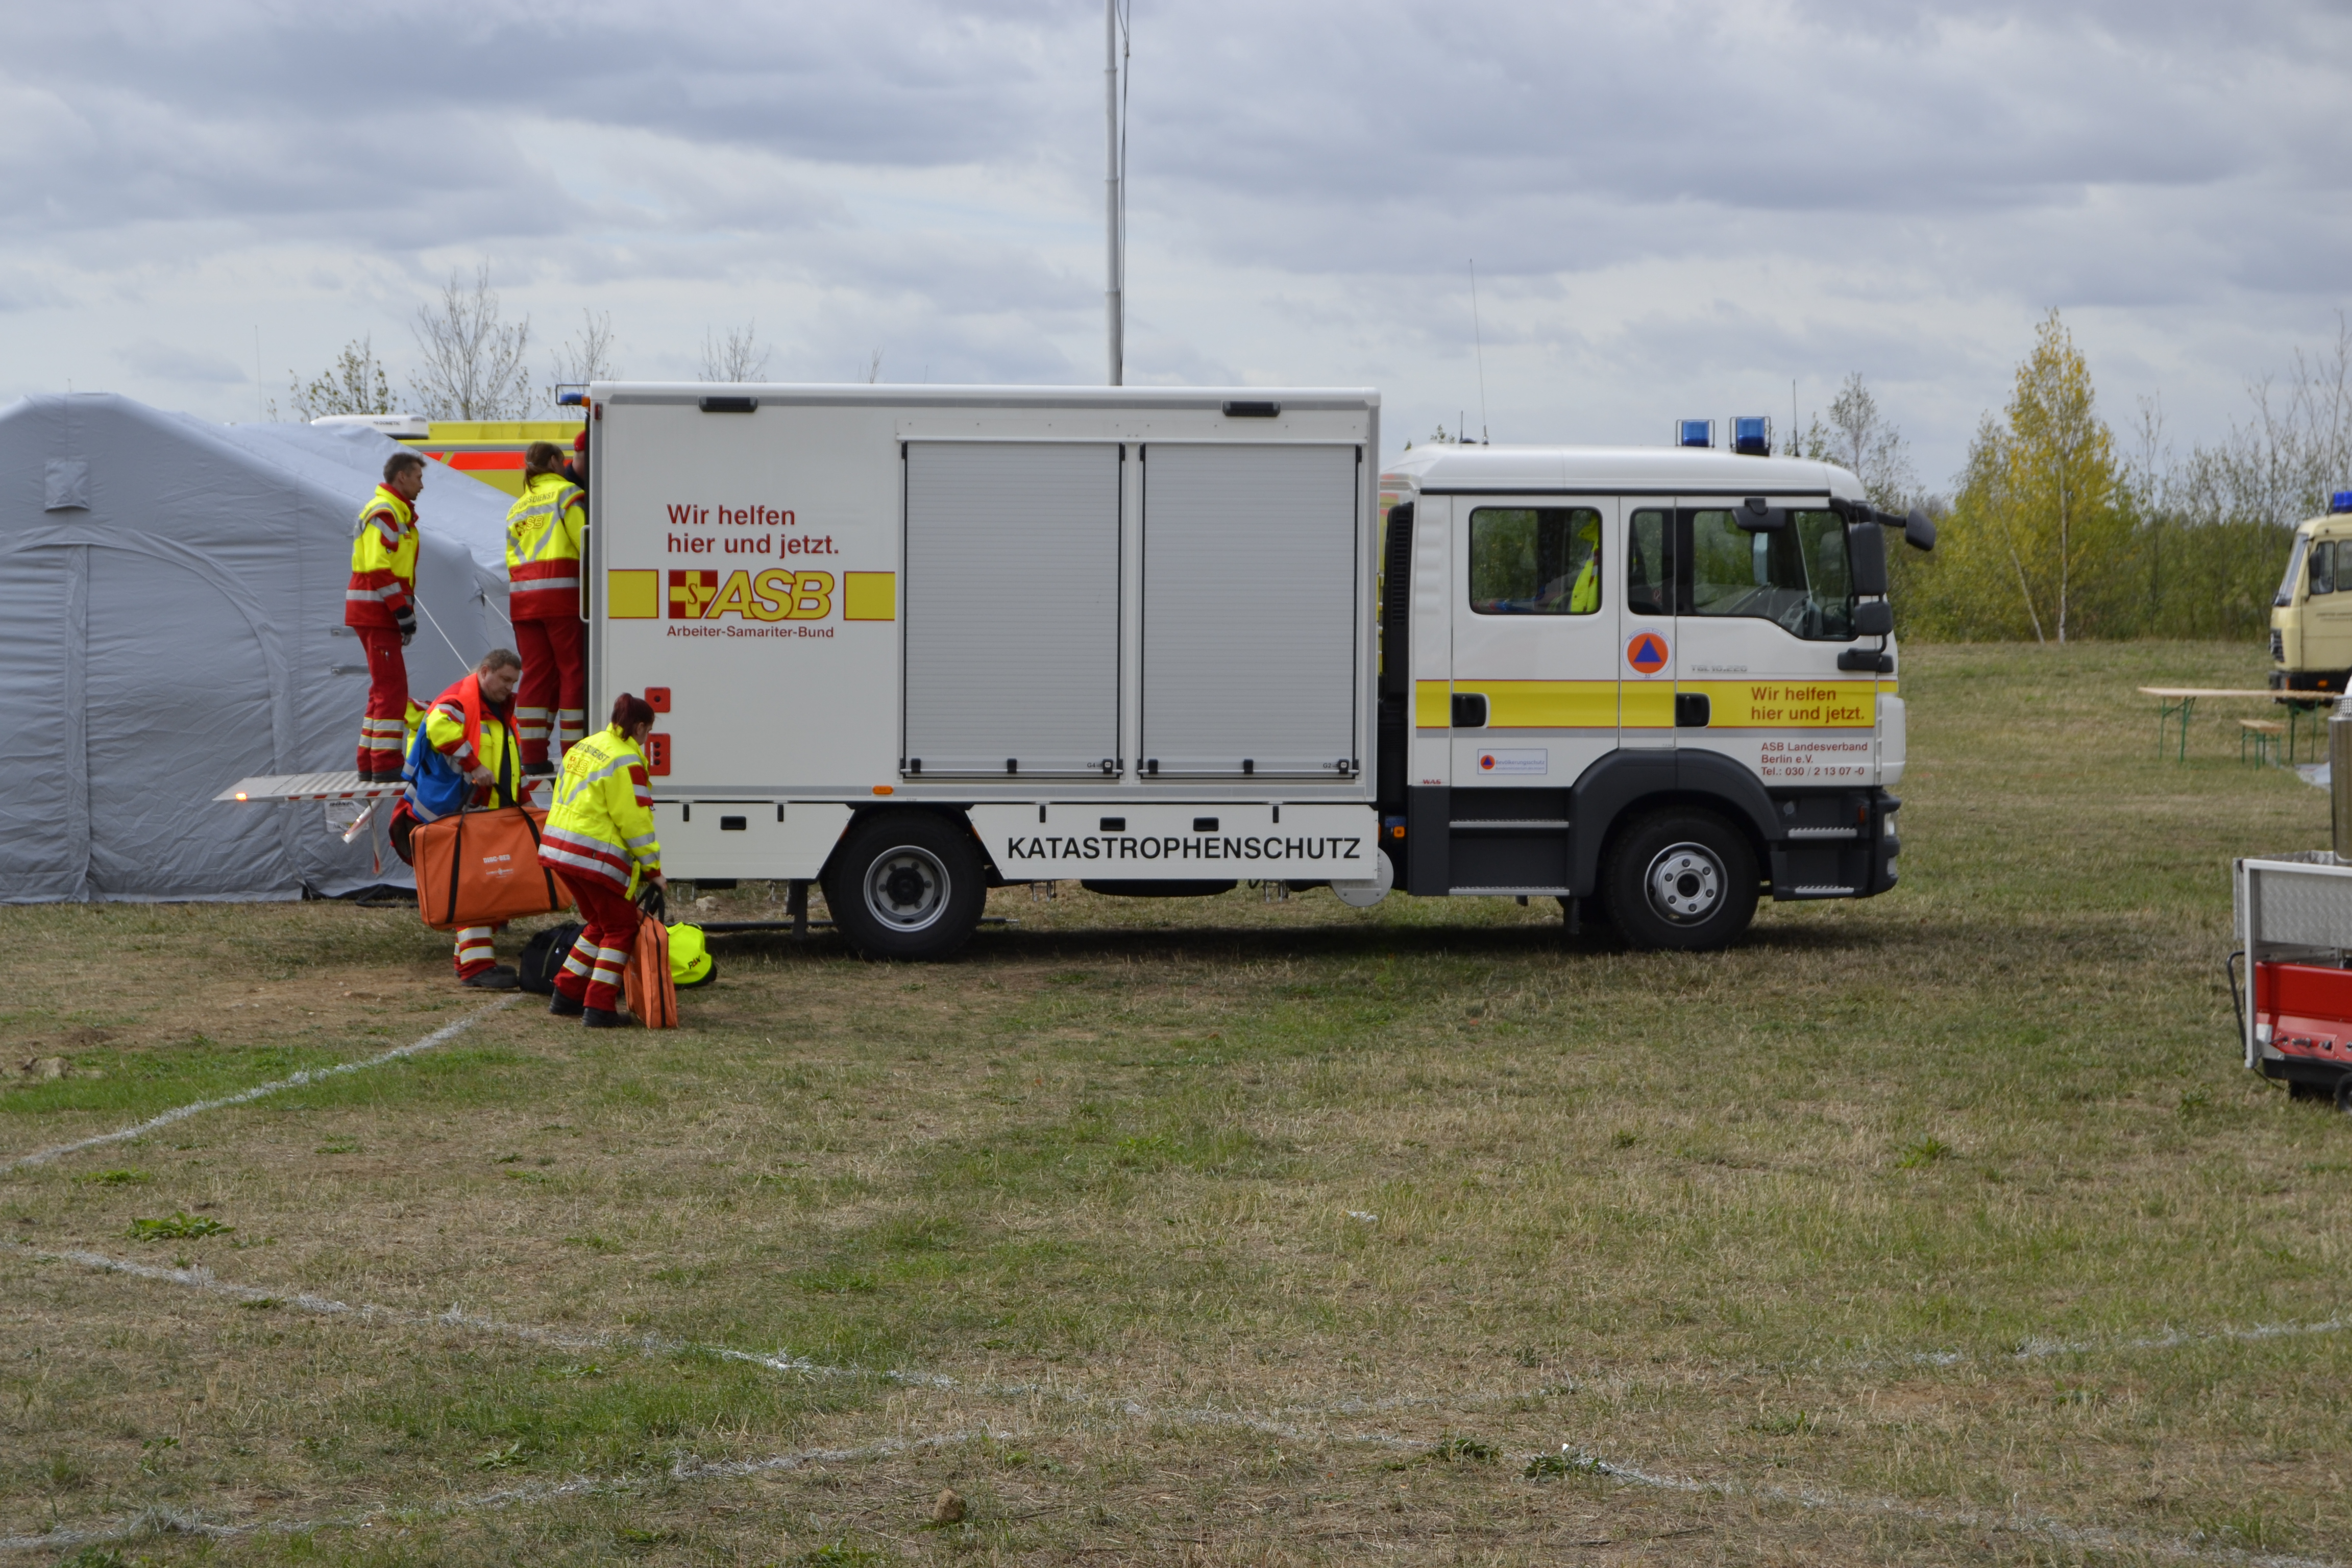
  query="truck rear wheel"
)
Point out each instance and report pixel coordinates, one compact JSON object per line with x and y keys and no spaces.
{"x":1682,"y":879}
{"x":907,"y":885}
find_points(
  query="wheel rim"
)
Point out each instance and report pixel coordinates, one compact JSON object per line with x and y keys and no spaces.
{"x":907,"y":888}
{"x":1684,"y":883}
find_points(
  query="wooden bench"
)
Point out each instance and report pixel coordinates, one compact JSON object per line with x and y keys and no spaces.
{"x":2267,"y":734}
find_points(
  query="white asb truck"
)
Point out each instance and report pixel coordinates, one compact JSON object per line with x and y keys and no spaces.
{"x":912,"y":643}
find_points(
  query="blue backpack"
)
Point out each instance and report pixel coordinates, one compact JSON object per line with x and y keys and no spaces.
{"x":435,"y":787}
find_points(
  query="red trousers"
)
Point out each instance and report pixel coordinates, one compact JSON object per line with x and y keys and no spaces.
{"x":387,"y":704}
{"x":554,"y":691}
{"x":591,"y":973}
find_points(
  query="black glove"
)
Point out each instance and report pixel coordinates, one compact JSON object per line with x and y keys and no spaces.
{"x":407,"y":619}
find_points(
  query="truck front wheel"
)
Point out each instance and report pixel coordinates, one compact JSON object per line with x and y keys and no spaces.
{"x":907,"y":885}
{"x":1682,"y":879}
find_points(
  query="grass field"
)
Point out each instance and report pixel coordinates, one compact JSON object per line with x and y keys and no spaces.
{"x":1942,"y":1227}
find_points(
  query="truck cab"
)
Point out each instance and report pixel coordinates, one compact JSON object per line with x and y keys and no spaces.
{"x":2311,"y":617}
{"x":1650,"y":682}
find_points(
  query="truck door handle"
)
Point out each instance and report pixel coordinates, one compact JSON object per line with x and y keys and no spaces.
{"x":1469,"y":709}
{"x":1691,"y":709}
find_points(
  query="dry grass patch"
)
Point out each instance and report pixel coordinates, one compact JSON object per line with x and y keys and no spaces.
{"x":1257,"y":1230}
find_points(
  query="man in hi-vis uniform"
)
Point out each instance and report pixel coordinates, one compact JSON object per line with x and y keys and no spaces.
{"x":380,"y":604}
{"x":544,"y":529}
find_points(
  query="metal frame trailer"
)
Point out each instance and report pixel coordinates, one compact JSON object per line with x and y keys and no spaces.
{"x":914,"y":642}
{"x":2295,"y":935}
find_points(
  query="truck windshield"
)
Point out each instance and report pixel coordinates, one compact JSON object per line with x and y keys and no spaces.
{"x":2294,"y":570}
{"x":1797,"y":578}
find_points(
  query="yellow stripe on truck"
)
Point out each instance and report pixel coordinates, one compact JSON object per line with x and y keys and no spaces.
{"x":1433,"y":705}
{"x":1646,"y":705}
{"x":1546,"y":704}
{"x":1788,"y":704}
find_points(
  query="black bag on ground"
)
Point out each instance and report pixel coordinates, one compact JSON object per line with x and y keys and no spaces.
{"x":543,"y":957}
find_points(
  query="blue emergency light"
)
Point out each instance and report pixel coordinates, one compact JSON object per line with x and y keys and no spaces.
{"x":1696,"y":433}
{"x":570,"y":395}
{"x":1751,"y":436}
{"x":2340,"y":501}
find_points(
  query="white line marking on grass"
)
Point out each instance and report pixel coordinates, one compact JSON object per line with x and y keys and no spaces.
{"x":172,"y":1521}
{"x":441,"y":1036}
{"x":2194,"y":1548}
{"x":455,"y":1318}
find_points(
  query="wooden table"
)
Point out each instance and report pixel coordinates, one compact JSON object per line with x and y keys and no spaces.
{"x":2180,"y":702}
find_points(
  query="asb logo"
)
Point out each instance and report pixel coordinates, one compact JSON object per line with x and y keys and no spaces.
{"x":772,"y":596}
{"x":690,"y":592}
{"x":1647,"y":653}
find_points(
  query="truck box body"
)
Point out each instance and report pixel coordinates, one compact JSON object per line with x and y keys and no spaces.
{"x":1130,"y":634}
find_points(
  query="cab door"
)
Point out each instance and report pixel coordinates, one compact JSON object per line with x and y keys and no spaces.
{"x":2327,"y":607}
{"x":1767,"y":606}
{"x":1534,"y":698}
{"x":1648,"y":639}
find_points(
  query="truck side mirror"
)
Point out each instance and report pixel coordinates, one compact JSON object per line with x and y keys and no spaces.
{"x":1919,"y":531}
{"x":1874,"y":618}
{"x":1757,"y":518}
{"x":1865,"y":549}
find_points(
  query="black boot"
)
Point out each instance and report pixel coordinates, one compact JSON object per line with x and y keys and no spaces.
{"x":498,"y":977}
{"x":598,"y":1018}
{"x":563,"y":1006}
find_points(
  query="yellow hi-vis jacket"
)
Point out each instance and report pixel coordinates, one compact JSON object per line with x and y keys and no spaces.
{"x":384,"y":565}
{"x":445,"y":732}
{"x":602,"y":821}
{"x":543,"y":531}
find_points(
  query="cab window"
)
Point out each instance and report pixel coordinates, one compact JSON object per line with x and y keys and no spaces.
{"x":1796,"y":577}
{"x":1649,"y":571}
{"x":2322,"y":566}
{"x":2294,"y":570}
{"x":1535,"y":561}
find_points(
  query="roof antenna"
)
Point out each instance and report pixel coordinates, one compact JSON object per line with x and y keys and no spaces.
{"x":1479,"y":337}
{"x":1793,"y":450}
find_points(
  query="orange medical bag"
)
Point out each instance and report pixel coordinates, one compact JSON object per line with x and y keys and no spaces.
{"x":481,"y":869}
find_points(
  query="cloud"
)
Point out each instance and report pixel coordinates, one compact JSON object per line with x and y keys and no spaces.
{"x":1672,"y":206}
{"x":167,"y":362}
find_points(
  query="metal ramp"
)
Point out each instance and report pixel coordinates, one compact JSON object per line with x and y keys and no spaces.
{"x":343,"y":786}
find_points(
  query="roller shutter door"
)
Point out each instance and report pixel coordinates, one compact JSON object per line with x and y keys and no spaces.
{"x":1251,"y":625}
{"x":1012,"y":613}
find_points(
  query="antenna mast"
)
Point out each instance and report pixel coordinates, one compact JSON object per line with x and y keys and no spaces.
{"x":1478,"y":337}
{"x":1114,"y":288}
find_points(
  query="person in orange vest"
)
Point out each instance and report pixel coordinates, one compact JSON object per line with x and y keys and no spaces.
{"x":465,"y":757}
{"x":544,"y":529}
{"x":380,"y":604}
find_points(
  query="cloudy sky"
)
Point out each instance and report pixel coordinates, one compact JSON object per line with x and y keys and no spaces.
{"x":1675,"y":208}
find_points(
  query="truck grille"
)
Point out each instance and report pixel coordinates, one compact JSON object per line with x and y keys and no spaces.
{"x":2278,"y":646}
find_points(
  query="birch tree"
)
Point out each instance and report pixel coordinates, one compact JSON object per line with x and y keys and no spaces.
{"x":2064,"y":493}
{"x":737,"y":357}
{"x":1860,"y":439}
{"x":473,"y":360}
{"x":355,"y":384}
{"x":586,"y":356}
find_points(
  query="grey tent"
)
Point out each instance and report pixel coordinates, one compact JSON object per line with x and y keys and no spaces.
{"x":171,"y":621}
